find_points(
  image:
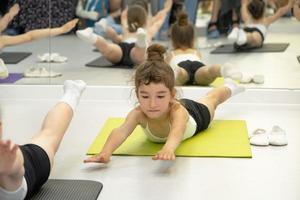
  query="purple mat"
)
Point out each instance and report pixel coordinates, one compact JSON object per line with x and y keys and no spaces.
{"x":12,"y":78}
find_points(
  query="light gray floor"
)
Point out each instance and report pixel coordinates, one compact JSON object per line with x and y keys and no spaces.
{"x":272,"y":173}
{"x":281,"y":70}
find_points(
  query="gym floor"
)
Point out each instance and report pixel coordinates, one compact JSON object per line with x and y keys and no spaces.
{"x":272,"y":173}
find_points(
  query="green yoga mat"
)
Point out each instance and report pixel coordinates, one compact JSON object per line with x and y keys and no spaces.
{"x":224,"y":138}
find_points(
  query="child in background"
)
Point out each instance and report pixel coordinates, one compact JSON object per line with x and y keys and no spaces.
{"x":132,"y":49}
{"x":186,"y":61}
{"x":163,"y":118}
{"x":256,"y":24}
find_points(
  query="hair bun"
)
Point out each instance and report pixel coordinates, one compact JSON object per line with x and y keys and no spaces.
{"x":156,"y":52}
{"x":182,"y":19}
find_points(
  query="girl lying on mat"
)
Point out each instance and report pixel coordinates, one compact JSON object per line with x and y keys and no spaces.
{"x":25,"y":168}
{"x":256,"y":23}
{"x":6,"y":40}
{"x":163,"y":118}
{"x":129,"y":48}
{"x":186,"y":60}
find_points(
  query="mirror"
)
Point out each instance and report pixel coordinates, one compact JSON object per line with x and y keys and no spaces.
{"x":24,"y":35}
{"x":279,"y":69}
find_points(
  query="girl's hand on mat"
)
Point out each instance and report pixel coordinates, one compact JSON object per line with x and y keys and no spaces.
{"x":164,"y":154}
{"x":99,"y":158}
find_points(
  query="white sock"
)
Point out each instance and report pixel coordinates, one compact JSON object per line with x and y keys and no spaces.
{"x":233,"y":34}
{"x":141,"y":38}
{"x":242,"y":38}
{"x":233,"y":86}
{"x":72,"y":92}
{"x":102,"y":23}
{"x":87,"y":35}
{"x":228,"y":71}
{"x":3,"y":70}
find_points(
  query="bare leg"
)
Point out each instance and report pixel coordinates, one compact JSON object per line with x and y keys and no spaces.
{"x":206,"y":75}
{"x":112,"y":34}
{"x":49,"y":137}
{"x":219,"y":95}
{"x":36,"y":34}
{"x":111,"y":52}
{"x":182,"y":76}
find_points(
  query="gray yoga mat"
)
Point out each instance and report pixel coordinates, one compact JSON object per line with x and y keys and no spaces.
{"x":298,"y":57}
{"x":59,"y":189}
{"x":14,"y":57}
{"x":102,"y":62}
{"x":267,"y":47}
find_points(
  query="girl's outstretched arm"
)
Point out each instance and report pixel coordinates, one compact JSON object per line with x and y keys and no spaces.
{"x":8,"y":17}
{"x":36,"y":34}
{"x":280,"y":12}
{"x":116,"y":138}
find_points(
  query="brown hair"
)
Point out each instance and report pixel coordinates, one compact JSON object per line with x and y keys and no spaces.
{"x":136,"y":17}
{"x":256,"y":8}
{"x":142,"y":3}
{"x":155,"y":69}
{"x":182,"y":32}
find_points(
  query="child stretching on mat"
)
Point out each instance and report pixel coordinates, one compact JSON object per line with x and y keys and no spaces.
{"x":6,"y":40}
{"x":163,"y":118}
{"x":185,"y":59}
{"x":130,"y":48}
{"x":24,"y":169}
{"x":256,"y":24}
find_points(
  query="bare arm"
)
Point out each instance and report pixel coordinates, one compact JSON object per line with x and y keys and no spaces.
{"x":179,"y":119}
{"x":280,"y":12}
{"x":8,"y":17}
{"x":37,"y":34}
{"x":244,"y":12}
{"x":116,"y":138}
{"x":297,"y":10}
{"x":158,"y":20}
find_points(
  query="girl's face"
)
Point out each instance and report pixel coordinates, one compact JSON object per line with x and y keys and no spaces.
{"x":154,"y":99}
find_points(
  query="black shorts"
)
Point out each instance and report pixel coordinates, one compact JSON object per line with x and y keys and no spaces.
{"x":247,"y":46}
{"x":126,"y":49}
{"x":199,"y":112}
{"x":191,"y":67}
{"x":37,"y":167}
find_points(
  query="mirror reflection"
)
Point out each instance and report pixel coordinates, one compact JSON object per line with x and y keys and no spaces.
{"x":251,"y":41}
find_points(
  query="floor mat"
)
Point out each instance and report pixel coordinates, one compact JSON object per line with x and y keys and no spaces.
{"x":267,"y":47}
{"x":14,"y":57}
{"x":57,"y":189}
{"x":102,"y":62}
{"x":12,"y":78}
{"x":224,"y":138}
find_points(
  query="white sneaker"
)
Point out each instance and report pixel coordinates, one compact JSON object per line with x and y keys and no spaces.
{"x":53,"y":57}
{"x":229,"y":71}
{"x":259,"y":138}
{"x":278,"y":137}
{"x":3,"y":70}
{"x":40,"y":72}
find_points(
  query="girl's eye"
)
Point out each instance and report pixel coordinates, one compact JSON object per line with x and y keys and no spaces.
{"x":161,"y":97}
{"x":145,"y":97}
